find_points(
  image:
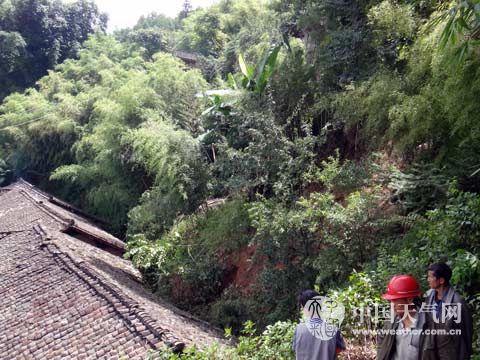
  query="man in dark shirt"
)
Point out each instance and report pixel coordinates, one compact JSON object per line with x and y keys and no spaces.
{"x":443,"y":300}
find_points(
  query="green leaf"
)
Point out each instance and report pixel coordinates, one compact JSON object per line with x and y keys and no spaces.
{"x":207,"y":111}
{"x":243,"y":66}
{"x":245,"y":82}
{"x":266,"y":68}
{"x":231,"y":81}
{"x":250,"y":71}
{"x":286,"y":41}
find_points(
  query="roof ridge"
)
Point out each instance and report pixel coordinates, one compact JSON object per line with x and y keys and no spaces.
{"x":39,"y":204}
{"x":61,"y":203}
{"x":134,"y":315}
{"x":69,"y":223}
{"x":9,"y":232}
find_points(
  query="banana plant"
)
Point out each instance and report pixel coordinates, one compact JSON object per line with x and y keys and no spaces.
{"x":219,"y":105}
{"x":255,"y":78}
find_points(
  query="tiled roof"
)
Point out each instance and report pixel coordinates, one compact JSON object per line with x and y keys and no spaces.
{"x":186,"y":56}
{"x":65,"y":293}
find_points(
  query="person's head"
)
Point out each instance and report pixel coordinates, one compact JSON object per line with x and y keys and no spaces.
{"x":438,"y":275}
{"x":401,"y":305}
{"x":403,"y":292}
{"x":306,"y":296}
{"x":303,"y":299}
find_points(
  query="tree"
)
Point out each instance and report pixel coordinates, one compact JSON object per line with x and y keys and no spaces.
{"x":186,"y":9}
{"x":208,"y":38}
{"x":151,"y":39}
{"x":461,"y":29}
{"x":82,"y":139}
{"x":36,"y":35}
{"x":154,"y":20}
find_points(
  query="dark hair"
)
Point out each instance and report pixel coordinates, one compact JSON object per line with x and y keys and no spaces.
{"x":417,"y":301}
{"x":441,"y":270}
{"x":305,"y":296}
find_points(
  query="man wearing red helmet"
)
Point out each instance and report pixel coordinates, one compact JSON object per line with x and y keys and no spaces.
{"x":400,"y":338}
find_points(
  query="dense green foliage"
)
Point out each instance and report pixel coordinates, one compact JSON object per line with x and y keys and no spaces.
{"x":36,"y":35}
{"x":273,"y":343}
{"x":190,"y":250}
{"x":99,"y":127}
{"x":343,"y":148}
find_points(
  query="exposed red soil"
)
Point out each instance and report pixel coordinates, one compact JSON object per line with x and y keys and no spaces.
{"x":243,"y":268}
{"x":180,"y":289}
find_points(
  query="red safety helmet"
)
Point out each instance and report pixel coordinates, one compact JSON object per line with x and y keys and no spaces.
{"x":402,"y":287}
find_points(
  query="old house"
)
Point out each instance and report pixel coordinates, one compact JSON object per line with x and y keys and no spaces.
{"x":67,"y":293}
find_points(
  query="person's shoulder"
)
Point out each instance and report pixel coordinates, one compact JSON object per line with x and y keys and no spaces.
{"x":301,"y":328}
{"x":455,"y":296}
{"x":429,"y":293}
{"x":389,"y":324}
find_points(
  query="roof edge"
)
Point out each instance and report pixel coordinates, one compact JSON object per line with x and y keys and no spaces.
{"x":61,"y":203}
{"x":70,"y":223}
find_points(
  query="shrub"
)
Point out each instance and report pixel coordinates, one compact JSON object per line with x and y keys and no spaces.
{"x":360,"y":295}
{"x":275,"y":342}
{"x":185,"y":263}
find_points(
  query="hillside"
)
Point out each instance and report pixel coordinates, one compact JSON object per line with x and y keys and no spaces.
{"x":251,"y":150}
